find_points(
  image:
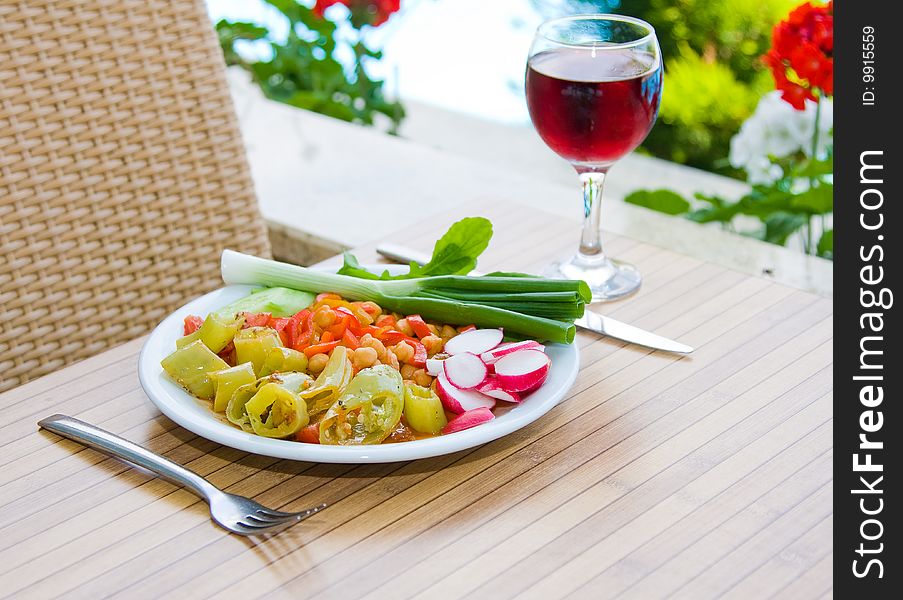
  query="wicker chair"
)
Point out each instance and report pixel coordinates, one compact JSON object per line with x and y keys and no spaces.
{"x":122,"y":174}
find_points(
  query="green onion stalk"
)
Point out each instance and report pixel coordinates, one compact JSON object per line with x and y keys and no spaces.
{"x":532,"y":307}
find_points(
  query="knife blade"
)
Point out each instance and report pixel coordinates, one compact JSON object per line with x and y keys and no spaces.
{"x":590,"y":320}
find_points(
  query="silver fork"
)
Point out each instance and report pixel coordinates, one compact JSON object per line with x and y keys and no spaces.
{"x":232,"y":512}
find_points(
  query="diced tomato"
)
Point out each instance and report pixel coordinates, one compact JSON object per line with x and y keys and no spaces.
{"x":256,"y":319}
{"x":419,"y":326}
{"x":321,"y":348}
{"x":309,"y":434}
{"x":228,"y":354}
{"x":350,"y":340}
{"x":192,"y":324}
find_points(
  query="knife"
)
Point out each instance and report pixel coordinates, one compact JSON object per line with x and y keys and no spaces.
{"x":590,"y":320}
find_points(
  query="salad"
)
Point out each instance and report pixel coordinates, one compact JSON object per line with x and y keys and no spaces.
{"x":341,"y":372}
{"x":360,"y":358}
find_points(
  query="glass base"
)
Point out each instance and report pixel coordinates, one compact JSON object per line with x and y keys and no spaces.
{"x":608,"y":279}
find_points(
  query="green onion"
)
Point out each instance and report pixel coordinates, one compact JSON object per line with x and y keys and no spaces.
{"x":543,"y":309}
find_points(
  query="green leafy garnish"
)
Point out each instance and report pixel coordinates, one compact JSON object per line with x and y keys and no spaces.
{"x":455,"y":253}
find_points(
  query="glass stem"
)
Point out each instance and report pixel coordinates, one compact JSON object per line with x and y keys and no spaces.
{"x":591,"y":239}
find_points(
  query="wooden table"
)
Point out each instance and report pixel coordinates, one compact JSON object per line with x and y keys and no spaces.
{"x":657,"y":476}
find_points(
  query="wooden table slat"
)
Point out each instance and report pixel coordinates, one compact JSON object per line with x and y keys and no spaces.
{"x":696,"y":477}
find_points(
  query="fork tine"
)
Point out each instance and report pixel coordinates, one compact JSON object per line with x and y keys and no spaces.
{"x":262,"y":517}
{"x":302,"y":514}
{"x":258,"y":526}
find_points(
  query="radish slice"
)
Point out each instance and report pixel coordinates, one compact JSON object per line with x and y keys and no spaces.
{"x":492,"y":388}
{"x":459,"y":401}
{"x":434,"y":366}
{"x":468,"y":419}
{"x":522,"y":370}
{"x":475,"y":341}
{"x":465,"y":371}
{"x":490,"y":356}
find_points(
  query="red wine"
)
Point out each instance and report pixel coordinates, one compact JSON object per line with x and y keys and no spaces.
{"x":593,"y":106}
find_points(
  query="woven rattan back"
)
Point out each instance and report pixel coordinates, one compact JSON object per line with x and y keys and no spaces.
{"x":122,"y":174}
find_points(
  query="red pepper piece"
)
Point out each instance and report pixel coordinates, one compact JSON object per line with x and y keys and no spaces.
{"x":295,"y":322}
{"x":392,"y":337}
{"x":350,"y":340}
{"x":418,"y":325}
{"x":321,"y":348}
{"x":419,"y":359}
{"x":386,"y":321}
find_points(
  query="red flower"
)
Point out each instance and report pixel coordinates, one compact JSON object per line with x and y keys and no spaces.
{"x":801,"y":59}
{"x":366,"y":12}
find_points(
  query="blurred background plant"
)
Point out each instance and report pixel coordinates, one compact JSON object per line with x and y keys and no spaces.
{"x":304,"y":69}
{"x":785,"y":147}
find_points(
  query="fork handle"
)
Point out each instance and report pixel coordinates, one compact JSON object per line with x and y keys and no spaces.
{"x":113,"y":445}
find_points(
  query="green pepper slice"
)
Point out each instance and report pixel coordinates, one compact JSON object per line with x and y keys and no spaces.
{"x":326,"y":389}
{"x":367,"y":411}
{"x":283,"y":360}
{"x":423,"y":409}
{"x":191,"y":366}
{"x":216,"y":332}
{"x":229,"y":380}
{"x":237,"y":408}
{"x":253,"y":345}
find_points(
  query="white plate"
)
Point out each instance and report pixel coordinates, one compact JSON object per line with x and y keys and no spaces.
{"x":195,"y":415}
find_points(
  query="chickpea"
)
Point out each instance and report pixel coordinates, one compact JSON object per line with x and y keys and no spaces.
{"x":324,"y":317}
{"x":448,"y":332}
{"x":404,"y":352}
{"x":405,"y":327}
{"x":433,"y":329}
{"x":421,"y":377}
{"x":407,"y":371}
{"x":392,"y":360}
{"x":364,"y":357}
{"x":433,"y":344}
{"x":317,"y":363}
{"x":371,"y":342}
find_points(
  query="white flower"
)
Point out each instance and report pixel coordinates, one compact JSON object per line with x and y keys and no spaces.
{"x":777,"y":129}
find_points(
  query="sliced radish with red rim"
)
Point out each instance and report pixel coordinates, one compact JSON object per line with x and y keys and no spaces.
{"x":522,"y":370}
{"x":475,"y":341}
{"x":465,"y":371}
{"x":491,"y":356}
{"x":492,"y":388}
{"x":459,"y":401}
{"x":434,"y":366}
{"x":468,"y":419}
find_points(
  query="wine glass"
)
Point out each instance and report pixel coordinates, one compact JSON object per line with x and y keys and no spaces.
{"x":593,"y":88}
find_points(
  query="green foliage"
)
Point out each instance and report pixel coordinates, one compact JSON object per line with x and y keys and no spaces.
{"x":803,"y":195}
{"x":455,"y":253}
{"x":703,"y":106}
{"x":665,"y":201}
{"x":303,"y":70}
